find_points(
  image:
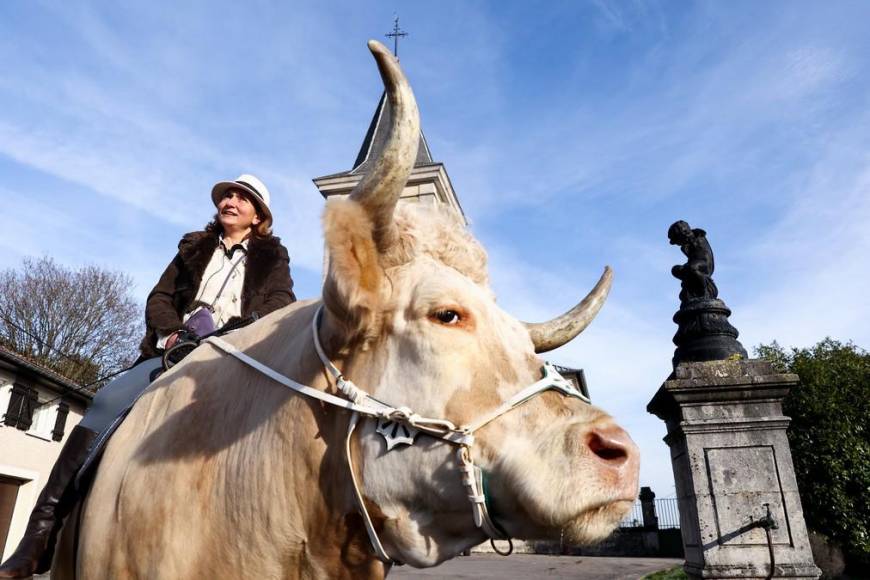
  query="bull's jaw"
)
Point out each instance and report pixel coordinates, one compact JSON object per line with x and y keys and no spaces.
{"x":546,"y":486}
{"x":418,"y":490}
{"x":422,"y":539}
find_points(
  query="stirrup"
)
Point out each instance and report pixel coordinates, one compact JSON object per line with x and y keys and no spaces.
{"x":172,"y":356}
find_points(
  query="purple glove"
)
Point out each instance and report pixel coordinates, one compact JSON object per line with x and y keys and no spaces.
{"x":201,"y":322}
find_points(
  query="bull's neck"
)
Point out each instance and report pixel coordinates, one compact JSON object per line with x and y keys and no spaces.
{"x":341,"y":550}
{"x":336,"y":541}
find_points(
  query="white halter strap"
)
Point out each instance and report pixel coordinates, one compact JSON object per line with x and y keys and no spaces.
{"x":359,"y":402}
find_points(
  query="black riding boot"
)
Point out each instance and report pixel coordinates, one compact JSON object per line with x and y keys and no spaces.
{"x":36,"y":548}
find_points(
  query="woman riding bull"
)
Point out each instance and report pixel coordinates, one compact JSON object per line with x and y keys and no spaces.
{"x":234,"y":270}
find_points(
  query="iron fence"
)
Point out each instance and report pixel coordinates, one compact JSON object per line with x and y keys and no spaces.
{"x":634,"y":519}
{"x":666,"y":510}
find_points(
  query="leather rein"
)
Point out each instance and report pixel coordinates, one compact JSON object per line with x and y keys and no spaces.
{"x":361,"y":404}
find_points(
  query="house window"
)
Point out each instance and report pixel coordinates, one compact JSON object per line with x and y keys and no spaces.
{"x":22,"y":403}
{"x":43,"y":418}
{"x":24,"y":411}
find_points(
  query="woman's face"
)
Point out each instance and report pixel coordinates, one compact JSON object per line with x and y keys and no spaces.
{"x":236,"y":212}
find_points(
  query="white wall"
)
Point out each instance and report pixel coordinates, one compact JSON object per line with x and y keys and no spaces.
{"x":30,"y":455}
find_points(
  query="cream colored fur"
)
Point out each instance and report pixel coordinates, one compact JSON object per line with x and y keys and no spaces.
{"x":220,"y":473}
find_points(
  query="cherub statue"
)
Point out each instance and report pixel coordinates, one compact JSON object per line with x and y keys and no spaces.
{"x":696,"y":274}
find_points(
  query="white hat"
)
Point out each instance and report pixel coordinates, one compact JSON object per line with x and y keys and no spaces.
{"x":250,"y":185}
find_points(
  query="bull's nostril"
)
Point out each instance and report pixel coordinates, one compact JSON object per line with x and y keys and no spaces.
{"x":607,"y":447}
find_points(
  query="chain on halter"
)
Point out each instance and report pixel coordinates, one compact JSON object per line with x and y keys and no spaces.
{"x":360,"y":403}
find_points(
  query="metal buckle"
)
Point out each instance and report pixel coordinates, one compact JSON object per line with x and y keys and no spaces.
{"x":561,"y":384}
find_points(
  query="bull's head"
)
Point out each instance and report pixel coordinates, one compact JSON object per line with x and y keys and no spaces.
{"x":411,"y":319}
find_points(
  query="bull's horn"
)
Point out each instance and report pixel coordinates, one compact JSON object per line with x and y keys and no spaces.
{"x":554,"y":333}
{"x":380,"y":188}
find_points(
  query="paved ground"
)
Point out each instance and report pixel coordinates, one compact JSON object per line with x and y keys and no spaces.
{"x":524,"y":566}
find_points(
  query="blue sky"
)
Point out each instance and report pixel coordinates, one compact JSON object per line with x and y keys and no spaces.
{"x":574,"y":134}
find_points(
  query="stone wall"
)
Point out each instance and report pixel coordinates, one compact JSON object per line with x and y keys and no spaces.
{"x":625,"y":542}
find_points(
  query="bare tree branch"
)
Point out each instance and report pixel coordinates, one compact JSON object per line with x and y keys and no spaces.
{"x":48,"y":311}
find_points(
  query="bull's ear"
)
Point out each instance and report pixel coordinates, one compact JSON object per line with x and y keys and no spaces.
{"x":352,"y":287}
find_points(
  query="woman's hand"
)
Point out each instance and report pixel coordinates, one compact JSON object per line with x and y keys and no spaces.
{"x":171,"y":340}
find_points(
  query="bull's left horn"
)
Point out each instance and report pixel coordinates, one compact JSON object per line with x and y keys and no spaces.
{"x":554,"y":333}
{"x":379,"y":190}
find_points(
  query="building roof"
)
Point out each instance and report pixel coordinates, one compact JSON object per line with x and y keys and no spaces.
{"x":375,"y":139}
{"x":352,"y":172}
{"x":427,"y":178}
{"x":45,"y":375}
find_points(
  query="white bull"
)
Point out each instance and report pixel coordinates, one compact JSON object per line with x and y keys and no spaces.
{"x":221,"y":472}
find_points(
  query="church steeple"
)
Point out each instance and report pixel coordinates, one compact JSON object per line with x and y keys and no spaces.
{"x":376,"y":138}
{"x":428,"y":182}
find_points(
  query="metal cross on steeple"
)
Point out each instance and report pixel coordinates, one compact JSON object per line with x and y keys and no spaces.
{"x":396,"y":34}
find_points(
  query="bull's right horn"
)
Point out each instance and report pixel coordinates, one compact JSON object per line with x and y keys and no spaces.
{"x":554,"y":333}
{"x":380,"y":188}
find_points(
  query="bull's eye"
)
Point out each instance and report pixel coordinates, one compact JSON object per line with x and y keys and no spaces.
{"x":447,"y":316}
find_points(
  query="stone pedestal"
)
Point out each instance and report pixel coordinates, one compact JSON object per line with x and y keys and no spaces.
{"x":704,"y":333}
{"x":732,"y":466}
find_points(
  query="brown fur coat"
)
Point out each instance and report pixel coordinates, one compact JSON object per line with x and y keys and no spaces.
{"x":267,"y":287}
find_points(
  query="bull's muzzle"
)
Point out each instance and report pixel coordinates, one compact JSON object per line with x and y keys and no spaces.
{"x":616,"y":458}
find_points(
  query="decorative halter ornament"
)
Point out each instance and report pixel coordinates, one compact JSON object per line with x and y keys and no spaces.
{"x":401,"y":425}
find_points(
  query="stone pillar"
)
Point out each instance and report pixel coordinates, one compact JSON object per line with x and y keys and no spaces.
{"x":648,"y":508}
{"x":732,"y":467}
{"x":650,"y":520}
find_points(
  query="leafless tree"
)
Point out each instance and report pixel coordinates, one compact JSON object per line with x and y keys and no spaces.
{"x":82,"y":323}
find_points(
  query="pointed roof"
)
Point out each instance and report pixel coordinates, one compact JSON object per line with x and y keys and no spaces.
{"x":376,"y":138}
{"x":427,"y":182}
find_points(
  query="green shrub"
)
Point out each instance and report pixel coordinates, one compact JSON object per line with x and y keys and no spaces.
{"x":675,"y":573}
{"x":830,"y":439}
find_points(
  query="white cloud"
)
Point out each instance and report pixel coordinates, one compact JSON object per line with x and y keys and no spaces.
{"x":611,"y":14}
{"x":818,"y":252}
